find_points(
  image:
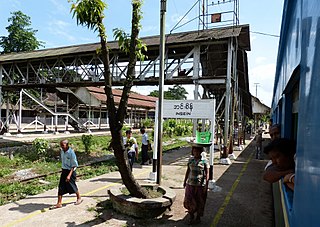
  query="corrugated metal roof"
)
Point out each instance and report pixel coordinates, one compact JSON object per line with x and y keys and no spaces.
{"x":136,"y":100}
{"x":178,"y":38}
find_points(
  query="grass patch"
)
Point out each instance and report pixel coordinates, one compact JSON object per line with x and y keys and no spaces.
{"x":26,"y":158}
{"x":14,"y":191}
{"x":177,"y":143}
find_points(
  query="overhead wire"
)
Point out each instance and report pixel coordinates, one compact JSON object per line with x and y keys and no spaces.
{"x":266,"y":34}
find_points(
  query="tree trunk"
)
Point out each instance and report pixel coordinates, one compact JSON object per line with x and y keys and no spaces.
{"x":116,"y":117}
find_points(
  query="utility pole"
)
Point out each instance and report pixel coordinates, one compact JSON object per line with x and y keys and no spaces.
{"x":255,"y":116}
{"x":256,"y":84}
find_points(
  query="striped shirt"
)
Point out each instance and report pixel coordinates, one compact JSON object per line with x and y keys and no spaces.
{"x":134,"y":145}
{"x":197,"y":167}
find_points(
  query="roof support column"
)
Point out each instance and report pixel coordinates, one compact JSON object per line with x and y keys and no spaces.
{"x":67,"y":117}
{"x":56,"y":115}
{"x":224,"y":158}
{"x":234,"y":99}
{"x":20,"y":115}
{"x":196,"y":70}
{"x":195,"y":121}
{"x":99,"y":120}
{"x":0,"y":96}
{"x":7,"y":116}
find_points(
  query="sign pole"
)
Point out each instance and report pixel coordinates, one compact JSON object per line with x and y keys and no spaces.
{"x":161,"y":85}
{"x":153,"y":173}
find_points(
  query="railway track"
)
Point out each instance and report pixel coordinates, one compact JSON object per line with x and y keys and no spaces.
{"x":17,"y":196}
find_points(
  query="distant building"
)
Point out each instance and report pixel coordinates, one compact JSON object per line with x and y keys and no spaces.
{"x":81,"y":107}
{"x":139,"y":106}
{"x":258,"y":110}
{"x":258,"y":107}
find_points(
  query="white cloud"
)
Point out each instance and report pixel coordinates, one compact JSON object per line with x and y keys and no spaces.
{"x":264,"y":75}
{"x":260,"y":60}
{"x":253,"y":37}
{"x":144,"y":90}
{"x":16,"y":4}
{"x":89,"y":40}
{"x":174,"y":19}
{"x":59,"y":7}
{"x":148,"y":30}
{"x":61,"y":28}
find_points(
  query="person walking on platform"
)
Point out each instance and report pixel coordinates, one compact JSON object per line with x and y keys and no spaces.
{"x":196,"y":184}
{"x":68,"y":176}
{"x":258,"y":139}
{"x":145,"y":147}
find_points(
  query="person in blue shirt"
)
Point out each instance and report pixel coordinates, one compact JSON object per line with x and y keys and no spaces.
{"x":68,"y":176}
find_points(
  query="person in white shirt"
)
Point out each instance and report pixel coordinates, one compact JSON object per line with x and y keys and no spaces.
{"x":145,"y":147}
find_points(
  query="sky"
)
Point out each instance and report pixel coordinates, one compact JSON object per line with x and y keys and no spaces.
{"x":57,"y":28}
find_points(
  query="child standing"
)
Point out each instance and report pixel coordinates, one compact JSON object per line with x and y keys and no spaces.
{"x":132,"y":147}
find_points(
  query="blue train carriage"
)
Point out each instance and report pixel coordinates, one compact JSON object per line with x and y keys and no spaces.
{"x":296,"y":106}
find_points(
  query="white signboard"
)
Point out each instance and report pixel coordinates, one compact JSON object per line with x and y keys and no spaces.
{"x":192,"y":109}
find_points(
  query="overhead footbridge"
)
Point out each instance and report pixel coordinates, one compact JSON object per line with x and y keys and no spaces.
{"x":214,"y":59}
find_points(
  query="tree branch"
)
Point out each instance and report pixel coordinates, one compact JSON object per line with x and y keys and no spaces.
{"x":132,"y":61}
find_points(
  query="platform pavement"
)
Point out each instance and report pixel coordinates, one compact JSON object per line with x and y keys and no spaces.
{"x":243,"y":199}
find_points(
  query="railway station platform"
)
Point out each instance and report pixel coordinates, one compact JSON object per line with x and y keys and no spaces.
{"x":241,"y":198}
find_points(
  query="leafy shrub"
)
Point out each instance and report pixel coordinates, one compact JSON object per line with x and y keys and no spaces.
{"x":87,"y":141}
{"x":179,"y":128}
{"x":40,"y":146}
{"x":148,"y":123}
{"x":5,"y":172}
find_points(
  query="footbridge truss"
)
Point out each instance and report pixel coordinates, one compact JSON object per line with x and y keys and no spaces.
{"x":215,"y":59}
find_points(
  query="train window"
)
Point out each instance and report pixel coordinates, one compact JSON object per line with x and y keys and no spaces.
{"x":295,"y":108}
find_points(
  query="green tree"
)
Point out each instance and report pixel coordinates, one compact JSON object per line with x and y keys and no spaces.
{"x":177,"y":93}
{"x":20,"y":36}
{"x":154,"y":93}
{"x":90,"y":13}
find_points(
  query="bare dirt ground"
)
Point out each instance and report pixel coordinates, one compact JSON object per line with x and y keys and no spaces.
{"x":249,"y":205}
{"x":244,"y":199}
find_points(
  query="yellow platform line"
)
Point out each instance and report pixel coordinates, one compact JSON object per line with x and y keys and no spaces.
{"x":37,"y":212}
{"x":230,"y":193}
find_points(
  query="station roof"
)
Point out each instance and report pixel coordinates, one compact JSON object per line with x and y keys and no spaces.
{"x":241,"y":31}
{"x":135,"y":100}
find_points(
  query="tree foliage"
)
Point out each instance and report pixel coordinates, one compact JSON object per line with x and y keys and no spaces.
{"x":176,"y":93}
{"x":90,"y":13}
{"x":124,"y":43}
{"x":20,"y":36}
{"x":154,"y":93}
